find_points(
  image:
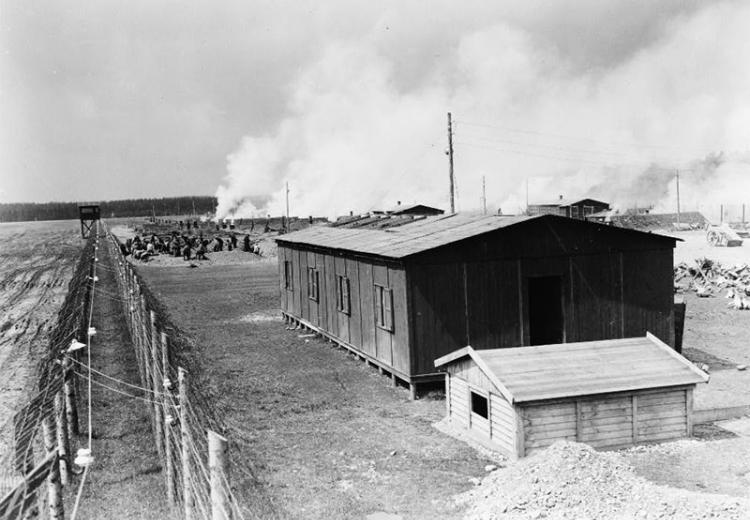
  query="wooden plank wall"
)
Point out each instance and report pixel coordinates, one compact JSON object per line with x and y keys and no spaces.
{"x":283,"y":253}
{"x":459,"y":406}
{"x":438,"y":312}
{"x":358,"y":328}
{"x":545,"y":424}
{"x":468,"y":371}
{"x":663,"y":415}
{"x":595,"y":298}
{"x":484,"y":304}
{"x":499,"y":429}
{"x":493,"y":304}
{"x":610,"y":421}
{"x":648,"y":295}
{"x":503,"y":424}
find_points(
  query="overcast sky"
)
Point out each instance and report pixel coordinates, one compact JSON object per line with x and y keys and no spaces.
{"x":111,"y":99}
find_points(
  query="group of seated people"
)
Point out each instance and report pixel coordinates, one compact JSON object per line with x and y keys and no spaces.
{"x":182,"y":245}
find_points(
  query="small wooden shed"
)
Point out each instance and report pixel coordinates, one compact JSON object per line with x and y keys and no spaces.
{"x":611,"y":393}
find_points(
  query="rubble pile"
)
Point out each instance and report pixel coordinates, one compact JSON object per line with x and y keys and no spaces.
{"x":708,"y":278}
{"x":569,"y":480}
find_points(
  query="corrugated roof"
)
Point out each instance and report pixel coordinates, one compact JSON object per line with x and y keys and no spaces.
{"x":398,"y":242}
{"x":414,"y":237}
{"x":526,"y":374}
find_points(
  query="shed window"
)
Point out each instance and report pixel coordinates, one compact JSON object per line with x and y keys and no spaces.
{"x":384,"y":307}
{"x":312,"y":283}
{"x":479,"y":405}
{"x":288,"y":283}
{"x":574,"y":211}
{"x":343,"y":302}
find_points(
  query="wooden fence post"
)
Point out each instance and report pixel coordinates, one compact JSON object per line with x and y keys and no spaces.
{"x":148,"y":380}
{"x":157,"y":379}
{"x":217,"y":470}
{"x":187,"y":495}
{"x":169,"y":467}
{"x":54,"y":488}
{"x":71,"y":405}
{"x":63,"y":444}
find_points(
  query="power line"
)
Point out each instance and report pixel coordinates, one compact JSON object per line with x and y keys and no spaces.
{"x":561,"y":136}
{"x":548,"y":156}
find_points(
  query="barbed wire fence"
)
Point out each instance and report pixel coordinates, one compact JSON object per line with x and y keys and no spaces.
{"x":188,"y":433}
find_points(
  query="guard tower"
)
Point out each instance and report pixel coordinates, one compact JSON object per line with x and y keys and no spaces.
{"x":88,"y":214}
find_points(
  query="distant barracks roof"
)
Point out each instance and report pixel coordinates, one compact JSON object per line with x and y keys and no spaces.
{"x":420,"y":235}
{"x":525,"y":374}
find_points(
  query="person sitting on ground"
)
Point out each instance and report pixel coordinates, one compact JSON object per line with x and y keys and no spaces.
{"x":246,"y":244}
{"x":186,"y":252}
{"x":200,"y":254}
{"x":256,"y":249}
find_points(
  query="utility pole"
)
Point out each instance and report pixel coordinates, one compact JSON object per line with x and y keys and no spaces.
{"x":287,"y":207}
{"x":678,"y":197}
{"x":527,"y":195}
{"x":484,"y":197}
{"x":450,"y":162}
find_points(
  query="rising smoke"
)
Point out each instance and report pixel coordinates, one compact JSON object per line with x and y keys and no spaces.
{"x":565,"y":103}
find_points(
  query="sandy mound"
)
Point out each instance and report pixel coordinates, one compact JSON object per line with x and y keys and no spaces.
{"x":573,"y":481}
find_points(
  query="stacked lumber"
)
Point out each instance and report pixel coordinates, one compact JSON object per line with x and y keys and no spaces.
{"x":708,"y":278}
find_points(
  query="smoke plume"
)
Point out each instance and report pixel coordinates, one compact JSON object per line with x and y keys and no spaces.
{"x":605,"y":102}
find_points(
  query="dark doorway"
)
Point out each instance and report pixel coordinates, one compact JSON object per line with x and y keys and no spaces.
{"x":546,"y":322}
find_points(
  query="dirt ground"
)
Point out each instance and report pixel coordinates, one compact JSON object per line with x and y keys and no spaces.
{"x":326,"y":435}
{"x":694,"y":245}
{"x":36,"y":263}
{"x":126,"y":480}
{"x":714,"y":333}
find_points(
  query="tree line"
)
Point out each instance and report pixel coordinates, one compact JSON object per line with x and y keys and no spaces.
{"x":25,"y":211}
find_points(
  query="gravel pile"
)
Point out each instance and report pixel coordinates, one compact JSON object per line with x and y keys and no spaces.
{"x":574,"y":481}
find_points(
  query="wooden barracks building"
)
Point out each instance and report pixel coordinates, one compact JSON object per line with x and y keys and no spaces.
{"x":403,"y":296}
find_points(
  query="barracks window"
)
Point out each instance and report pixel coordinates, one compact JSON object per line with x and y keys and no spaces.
{"x":343,"y":302}
{"x":384,"y":307}
{"x":312,"y":283}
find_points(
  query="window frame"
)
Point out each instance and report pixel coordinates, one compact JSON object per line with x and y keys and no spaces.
{"x":481,"y":395}
{"x":313,"y":285}
{"x":384,"y":307}
{"x":343,"y":294}
{"x":288,"y":277}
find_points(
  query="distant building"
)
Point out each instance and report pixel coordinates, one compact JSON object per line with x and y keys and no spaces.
{"x":580,"y":209}
{"x":393,"y":217}
{"x":415,"y":209}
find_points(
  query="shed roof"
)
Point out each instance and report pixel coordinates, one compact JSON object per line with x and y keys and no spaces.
{"x":418,"y":236}
{"x":524,"y":374}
